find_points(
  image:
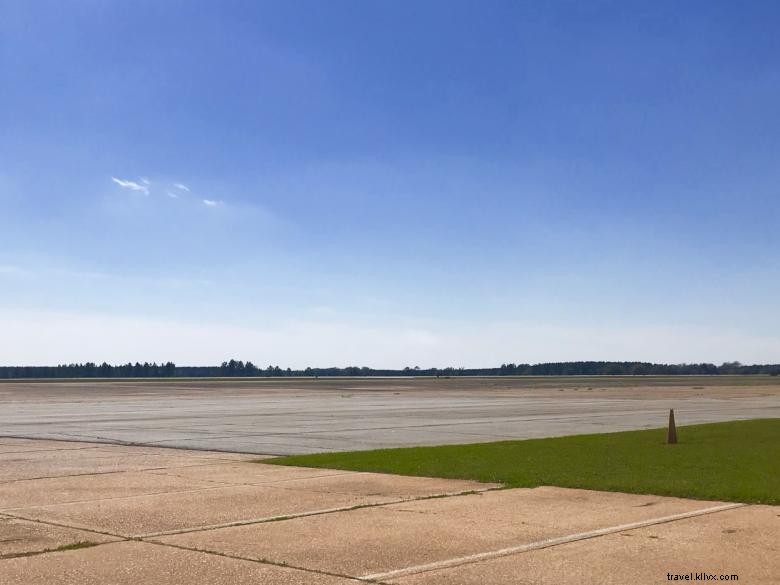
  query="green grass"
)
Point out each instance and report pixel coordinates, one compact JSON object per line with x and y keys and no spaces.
{"x":76,"y":545}
{"x":73,"y":546}
{"x":733,"y":461}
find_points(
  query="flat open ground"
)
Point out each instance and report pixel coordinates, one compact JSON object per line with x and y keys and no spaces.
{"x":290,"y":416}
{"x":96,"y":514}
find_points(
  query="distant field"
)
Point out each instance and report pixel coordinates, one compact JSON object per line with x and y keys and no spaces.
{"x":733,"y":461}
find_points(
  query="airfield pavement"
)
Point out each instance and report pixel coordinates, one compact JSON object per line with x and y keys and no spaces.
{"x":169,"y":517}
{"x":298,"y":415}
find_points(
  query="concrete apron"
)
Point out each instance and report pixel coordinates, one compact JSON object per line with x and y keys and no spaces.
{"x":162,"y":516}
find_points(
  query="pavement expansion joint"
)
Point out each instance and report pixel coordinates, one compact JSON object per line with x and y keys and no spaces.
{"x":35,"y":553}
{"x":261,"y":520}
{"x":254,"y":560}
{"x":547,"y":543}
{"x":121,"y":538}
{"x":49,"y":450}
{"x":134,"y":496}
{"x":260,"y":482}
{"x":98,"y":442}
{"x":62,"y":525}
{"x":105,"y":472}
{"x":308,"y":513}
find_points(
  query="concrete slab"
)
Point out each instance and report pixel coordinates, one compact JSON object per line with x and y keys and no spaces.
{"x":560,"y":509}
{"x":43,"y":464}
{"x":11,"y":446}
{"x":13,"y":441}
{"x":325,"y":480}
{"x":381,"y":539}
{"x":249,"y":473}
{"x":742,"y":542}
{"x":80,"y":488}
{"x":390,"y":486}
{"x":166,"y":512}
{"x":131,"y":563}
{"x":459,"y":539}
{"x":217,"y":456}
{"x":21,"y":537}
{"x":266,"y":444}
{"x":75,"y":451}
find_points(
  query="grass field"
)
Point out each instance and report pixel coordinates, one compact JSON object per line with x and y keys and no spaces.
{"x":733,"y":461}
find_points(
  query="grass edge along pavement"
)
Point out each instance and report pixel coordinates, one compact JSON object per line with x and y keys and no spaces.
{"x":736,"y":461}
{"x":62,"y":548}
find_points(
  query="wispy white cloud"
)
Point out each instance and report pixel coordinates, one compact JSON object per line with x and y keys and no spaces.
{"x":131,"y":185}
{"x":175,"y":191}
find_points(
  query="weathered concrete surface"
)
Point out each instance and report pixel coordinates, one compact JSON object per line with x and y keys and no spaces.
{"x":240,"y":474}
{"x":21,"y":537}
{"x":176,"y":490}
{"x":498,"y":536}
{"x":742,"y":542}
{"x":192,"y":509}
{"x":10,"y":446}
{"x":282,"y":416}
{"x":134,"y":563}
{"x":90,"y":488}
{"x":380,"y":539}
{"x":323,"y":480}
{"x":381,"y":485}
{"x":57,"y":463}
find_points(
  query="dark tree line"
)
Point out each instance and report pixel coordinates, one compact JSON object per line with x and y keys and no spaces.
{"x":92,"y":370}
{"x":635,"y":369}
{"x":238,"y":368}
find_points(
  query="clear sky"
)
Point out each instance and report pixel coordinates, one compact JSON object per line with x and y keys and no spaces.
{"x":389,"y":183}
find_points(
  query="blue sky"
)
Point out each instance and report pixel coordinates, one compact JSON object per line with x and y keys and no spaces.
{"x":389,"y":183}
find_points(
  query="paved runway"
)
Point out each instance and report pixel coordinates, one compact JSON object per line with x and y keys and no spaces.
{"x":289,"y":416}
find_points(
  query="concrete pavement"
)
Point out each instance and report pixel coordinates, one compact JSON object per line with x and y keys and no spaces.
{"x":151,"y":515}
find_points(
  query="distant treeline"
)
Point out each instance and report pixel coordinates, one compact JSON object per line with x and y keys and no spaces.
{"x":238,"y":368}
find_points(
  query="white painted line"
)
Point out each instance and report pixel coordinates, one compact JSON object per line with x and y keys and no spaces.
{"x":446,"y":564}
